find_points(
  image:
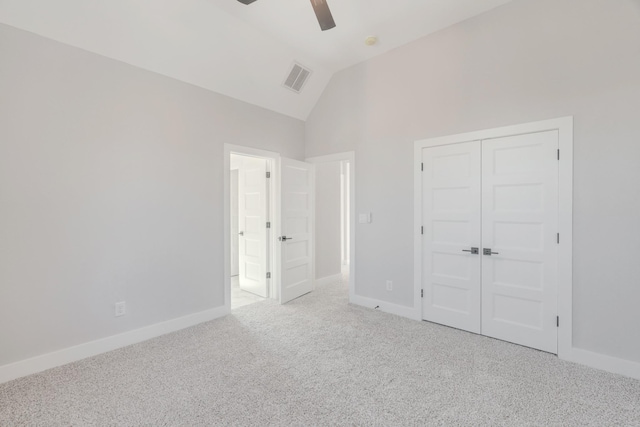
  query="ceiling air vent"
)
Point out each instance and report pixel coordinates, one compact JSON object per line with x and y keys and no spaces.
{"x":297,"y":78}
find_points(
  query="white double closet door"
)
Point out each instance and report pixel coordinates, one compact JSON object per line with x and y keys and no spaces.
{"x":490,"y":243}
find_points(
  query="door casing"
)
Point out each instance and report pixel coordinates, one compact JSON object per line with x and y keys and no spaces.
{"x":564,"y":126}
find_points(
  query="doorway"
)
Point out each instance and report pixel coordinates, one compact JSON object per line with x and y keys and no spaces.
{"x":335,"y":219}
{"x":274,"y":226}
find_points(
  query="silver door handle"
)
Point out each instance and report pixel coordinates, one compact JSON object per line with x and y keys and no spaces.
{"x":241,"y":233}
{"x":487,"y":251}
{"x":284,"y":238}
{"x":474,"y":251}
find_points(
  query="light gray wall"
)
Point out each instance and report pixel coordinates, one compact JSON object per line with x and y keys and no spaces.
{"x":328,"y":251}
{"x":526,"y":61}
{"x":110,"y":189}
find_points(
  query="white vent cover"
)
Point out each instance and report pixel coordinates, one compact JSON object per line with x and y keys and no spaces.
{"x":297,"y":78}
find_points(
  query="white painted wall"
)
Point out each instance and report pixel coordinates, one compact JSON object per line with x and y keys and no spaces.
{"x":526,"y":61}
{"x":111,"y":188}
{"x":328,"y":239}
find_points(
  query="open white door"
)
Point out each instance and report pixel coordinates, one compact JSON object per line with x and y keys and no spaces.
{"x":252,"y":208}
{"x":295,"y":246}
{"x":235,"y":251}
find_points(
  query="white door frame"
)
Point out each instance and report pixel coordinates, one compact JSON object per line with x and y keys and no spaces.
{"x":273,"y":159}
{"x":345,"y":214}
{"x":564,"y":126}
{"x":350,"y":157}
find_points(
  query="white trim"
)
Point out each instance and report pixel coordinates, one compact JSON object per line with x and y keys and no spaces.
{"x":327,"y":280}
{"x":338,"y":157}
{"x":273,"y":160}
{"x":565,"y":227}
{"x":387,"y":307}
{"x":624,"y":367}
{"x":345,"y":212}
{"x":563,"y":123}
{"x":349,"y":156}
{"x":564,"y":126}
{"x":92,"y":348}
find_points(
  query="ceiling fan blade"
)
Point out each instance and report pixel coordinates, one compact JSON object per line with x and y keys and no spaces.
{"x":246,"y":1}
{"x":325,"y":19}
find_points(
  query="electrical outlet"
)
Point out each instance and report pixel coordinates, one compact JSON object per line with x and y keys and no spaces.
{"x":389,"y":285}
{"x":121,"y":308}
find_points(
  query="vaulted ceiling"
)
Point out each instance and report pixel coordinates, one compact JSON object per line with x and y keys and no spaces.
{"x":241,"y":51}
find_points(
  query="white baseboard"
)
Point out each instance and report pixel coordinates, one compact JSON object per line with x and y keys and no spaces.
{"x":62,"y":357}
{"x":82,"y":351}
{"x":387,"y":307}
{"x":328,"y":279}
{"x":603,"y":362}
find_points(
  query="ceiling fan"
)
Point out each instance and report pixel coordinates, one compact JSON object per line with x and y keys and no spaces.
{"x":320,"y":7}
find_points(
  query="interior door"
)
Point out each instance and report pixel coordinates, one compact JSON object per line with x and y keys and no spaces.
{"x":519,"y":226}
{"x":295,"y":245}
{"x":451,"y":241}
{"x":252,"y":208}
{"x":235,"y":249}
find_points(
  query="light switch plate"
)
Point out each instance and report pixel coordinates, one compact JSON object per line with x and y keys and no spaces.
{"x":364,"y":218}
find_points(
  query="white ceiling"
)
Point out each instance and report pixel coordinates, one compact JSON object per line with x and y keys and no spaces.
{"x":241,"y":51}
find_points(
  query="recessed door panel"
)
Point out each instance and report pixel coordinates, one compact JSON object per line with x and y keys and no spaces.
{"x":521,"y":159}
{"x":450,"y":167}
{"x":452,"y":265}
{"x":519,"y":226}
{"x":296,"y":251}
{"x":518,"y":235}
{"x":451,"y":232}
{"x":518,"y":198}
{"x":451,"y":218}
{"x":523,"y":274}
{"x":517,"y":312}
{"x":451,"y":199}
{"x":450,"y":298}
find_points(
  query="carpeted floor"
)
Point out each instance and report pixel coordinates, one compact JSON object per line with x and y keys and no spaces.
{"x":320,"y":361}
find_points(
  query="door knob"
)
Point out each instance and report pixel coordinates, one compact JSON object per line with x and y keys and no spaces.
{"x":241,"y":233}
{"x":284,"y":238}
{"x":474,"y":251}
{"x":487,"y":251}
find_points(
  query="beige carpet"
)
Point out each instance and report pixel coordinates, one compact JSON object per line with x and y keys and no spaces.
{"x":320,"y":361}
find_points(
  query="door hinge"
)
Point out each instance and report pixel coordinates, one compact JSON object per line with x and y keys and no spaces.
{"x":268,"y":174}
{"x":558,"y":238}
{"x":558,"y":321}
{"x":422,"y":230}
{"x":268,"y":224}
{"x":558,"y":154}
{"x":268,"y":275}
{"x":421,"y":293}
{"x":422,"y":166}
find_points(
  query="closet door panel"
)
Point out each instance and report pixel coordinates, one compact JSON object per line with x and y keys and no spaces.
{"x":451,"y":218}
{"x":519,"y":239}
